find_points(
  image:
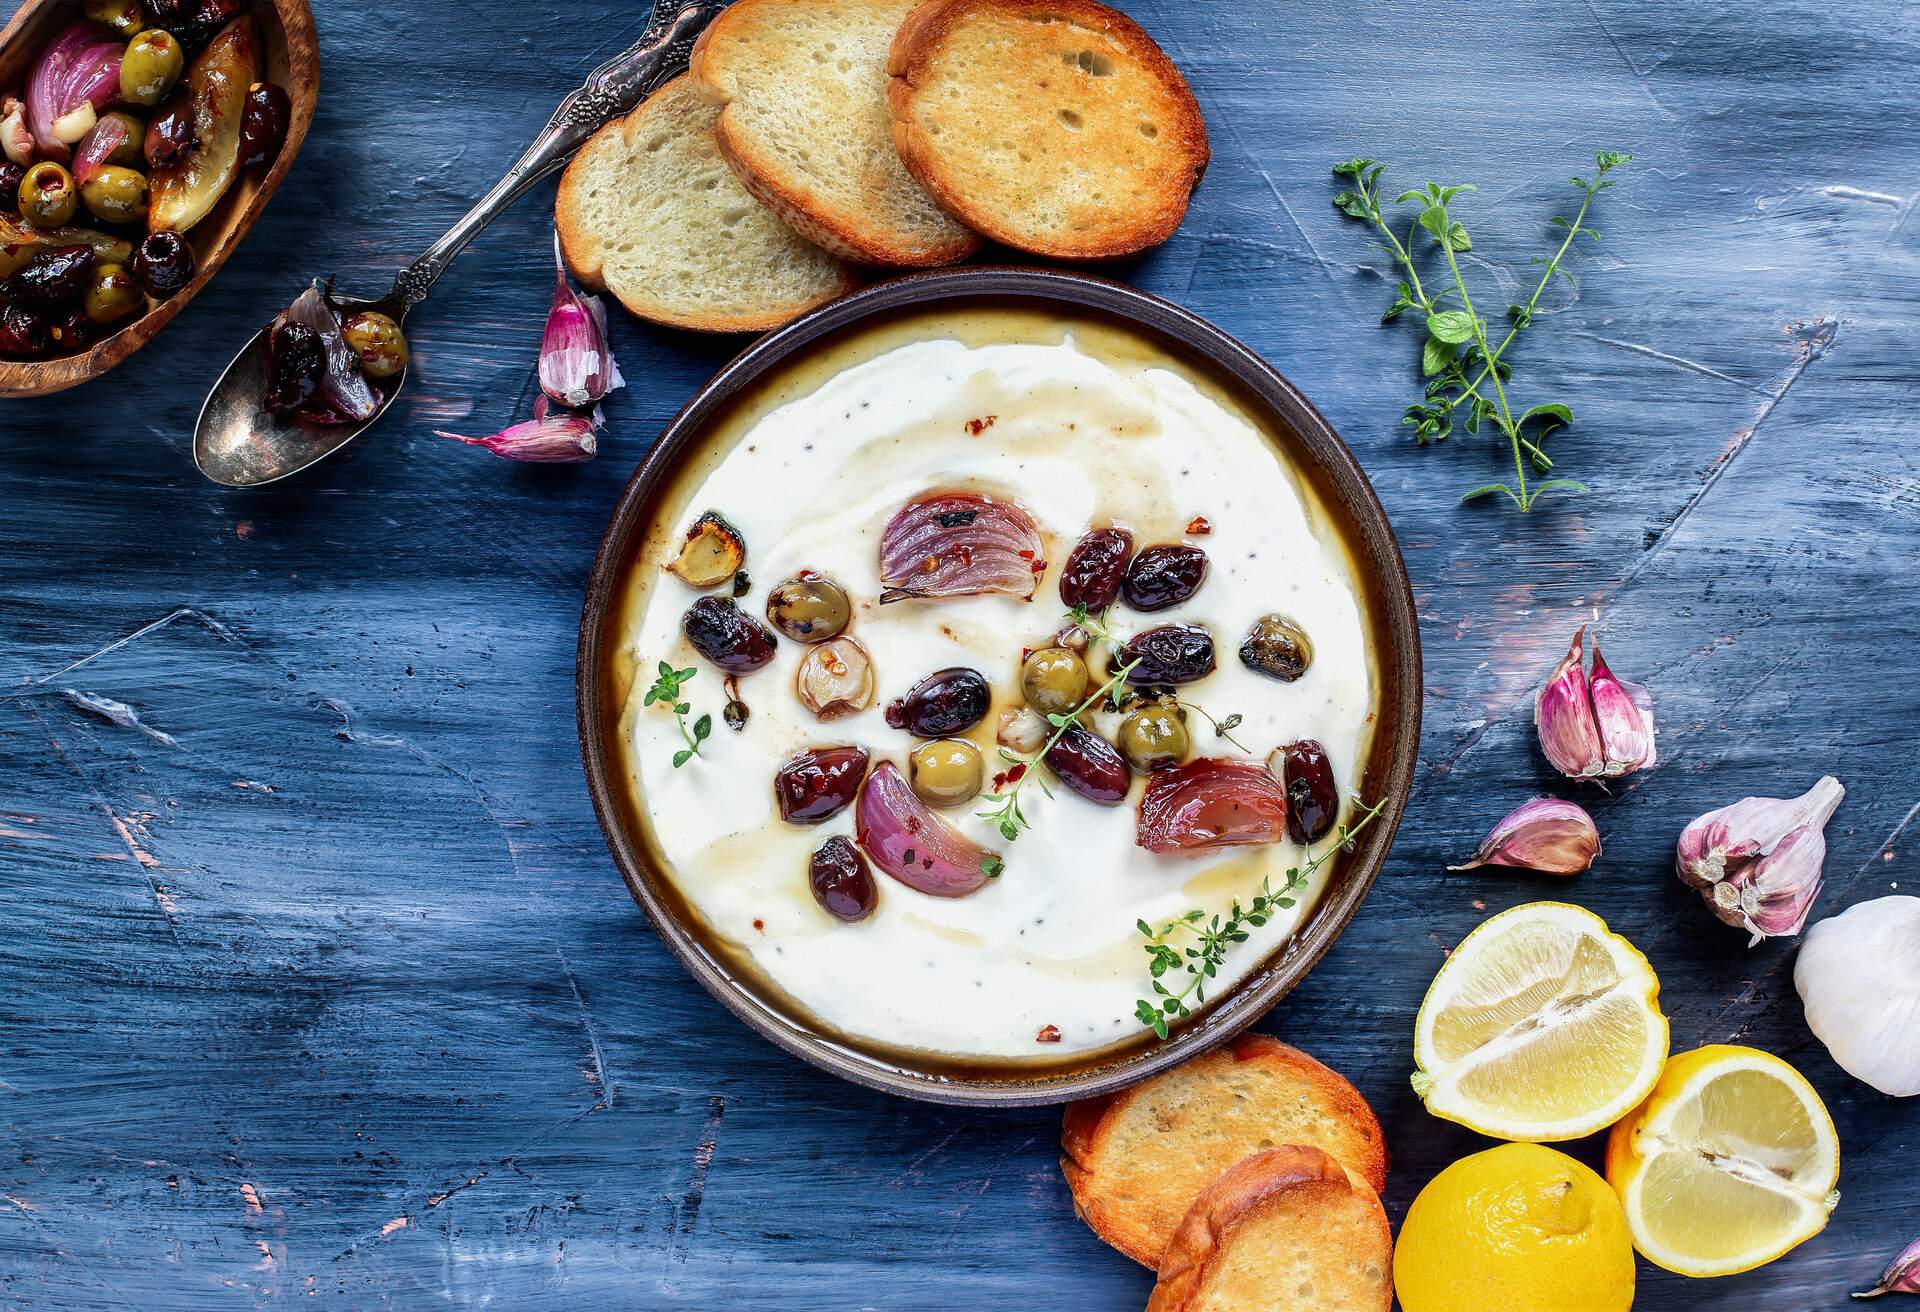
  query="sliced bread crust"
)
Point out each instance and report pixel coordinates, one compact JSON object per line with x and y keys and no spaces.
{"x":1287,"y":1227}
{"x":1135,"y":1160}
{"x":649,"y":212}
{"x":1053,"y":126}
{"x":805,"y":124}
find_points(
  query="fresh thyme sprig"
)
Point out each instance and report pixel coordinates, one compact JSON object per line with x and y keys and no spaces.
{"x":1007,"y":816}
{"x":666,"y":689}
{"x":1214,"y":937}
{"x":1458,"y":358}
{"x":1221,"y":728}
{"x":1096,"y":630}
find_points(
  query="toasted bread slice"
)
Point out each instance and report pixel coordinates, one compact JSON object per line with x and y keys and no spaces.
{"x":1285,"y":1228}
{"x":1136,"y":1160}
{"x":650,"y":212}
{"x":806,"y":126}
{"x":1056,"y":126}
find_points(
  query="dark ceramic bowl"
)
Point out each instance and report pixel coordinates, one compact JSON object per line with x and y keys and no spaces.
{"x":1317,"y":455}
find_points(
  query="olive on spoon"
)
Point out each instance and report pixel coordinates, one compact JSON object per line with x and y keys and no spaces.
{"x":239,"y":443}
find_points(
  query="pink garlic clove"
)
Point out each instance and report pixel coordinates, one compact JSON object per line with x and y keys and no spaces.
{"x":1903,"y":1277}
{"x":577,"y":367}
{"x":1546,"y":834}
{"x":1758,"y":862}
{"x":1563,"y":718}
{"x":557,"y":438}
{"x":1624,"y":713}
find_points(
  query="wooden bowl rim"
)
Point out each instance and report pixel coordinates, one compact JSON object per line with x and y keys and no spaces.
{"x":1280,"y":405}
{"x":23,"y":378}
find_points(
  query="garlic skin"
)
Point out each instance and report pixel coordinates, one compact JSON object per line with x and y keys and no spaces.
{"x":1593,"y":727}
{"x":577,"y":368}
{"x":1903,"y":1277}
{"x":1758,"y":862}
{"x":1546,"y":834}
{"x":1859,"y":977}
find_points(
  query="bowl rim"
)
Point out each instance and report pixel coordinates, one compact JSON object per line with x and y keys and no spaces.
{"x":1280,"y":408}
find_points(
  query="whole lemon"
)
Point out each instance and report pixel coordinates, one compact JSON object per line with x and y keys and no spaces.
{"x":1516,"y":1227}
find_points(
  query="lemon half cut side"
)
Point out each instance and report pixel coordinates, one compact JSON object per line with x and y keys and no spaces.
{"x":1731,"y":1162}
{"x":1543,"y":1025}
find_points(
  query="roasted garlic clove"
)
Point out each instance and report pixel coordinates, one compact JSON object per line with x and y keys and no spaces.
{"x":712,"y":553}
{"x":835,"y":679}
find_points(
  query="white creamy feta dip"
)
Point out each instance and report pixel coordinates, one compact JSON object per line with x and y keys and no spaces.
{"x":1082,"y":437}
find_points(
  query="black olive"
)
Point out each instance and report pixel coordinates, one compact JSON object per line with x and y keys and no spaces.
{"x":1089,"y":765}
{"x":727,"y":635}
{"x":1313,"y":799}
{"x":163,"y":264}
{"x":942,"y":705}
{"x":296,"y":359}
{"x":1277,"y":648}
{"x":1164,"y":576}
{"x":194,"y":22}
{"x":1091,"y":577}
{"x":842,"y":882}
{"x":170,"y":136}
{"x":24,"y":331}
{"x":1169,"y":655}
{"x":819,"y":783}
{"x":53,"y":276}
{"x":263,"y":124}
{"x":10,"y":175}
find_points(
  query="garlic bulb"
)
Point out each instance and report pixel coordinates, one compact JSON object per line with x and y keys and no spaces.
{"x":1758,"y":862}
{"x":1859,"y":976}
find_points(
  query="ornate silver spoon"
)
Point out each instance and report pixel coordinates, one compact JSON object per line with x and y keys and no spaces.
{"x":236,"y":442}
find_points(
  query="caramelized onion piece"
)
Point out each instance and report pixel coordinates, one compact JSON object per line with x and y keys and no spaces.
{"x":1209,"y":804}
{"x":835,"y":678}
{"x":911,"y":842}
{"x":954,"y":544}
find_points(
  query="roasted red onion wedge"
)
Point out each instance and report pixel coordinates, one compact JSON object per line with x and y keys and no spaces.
{"x":341,"y":393}
{"x":1209,"y":804}
{"x":911,"y":842}
{"x":954,"y":544}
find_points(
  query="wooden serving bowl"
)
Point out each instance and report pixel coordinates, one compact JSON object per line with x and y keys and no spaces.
{"x":292,"y":60}
{"x":1316,"y":455}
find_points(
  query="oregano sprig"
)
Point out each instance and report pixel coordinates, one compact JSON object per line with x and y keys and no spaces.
{"x":1201,"y":961}
{"x":666,"y":689}
{"x":1457,"y":356}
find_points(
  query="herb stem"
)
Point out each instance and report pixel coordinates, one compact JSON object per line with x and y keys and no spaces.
{"x":1007,"y":816}
{"x":1511,"y":429}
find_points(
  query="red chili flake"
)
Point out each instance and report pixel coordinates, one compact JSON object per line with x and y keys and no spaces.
{"x":1039,"y":567}
{"x":1198,"y":527}
{"x":975,"y":427}
{"x":1048,"y":1034}
{"x":760,"y":925}
{"x":1013,"y":774}
{"x":913,"y":827}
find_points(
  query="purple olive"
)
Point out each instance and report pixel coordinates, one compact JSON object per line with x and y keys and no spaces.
{"x":70,"y":330}
{"x":841,"y":881}
{"x":1091,"y":577}
{"x":296,"y":359}
{"x":1313,"y":799}
{"x":727,"y":635}
{"x":819,"y":783}
{"x":942,"y":705}
{"x":1169,"y":655}
{"x":163,"y":264}
{"x":263,"y":124}
{"x":10,"y":176}
{"x":24,"y":331}
{"x":1088,"y":764}
{"x":53,"y":277}
{"x":1164,"y":576}
{"x":170,"y":136}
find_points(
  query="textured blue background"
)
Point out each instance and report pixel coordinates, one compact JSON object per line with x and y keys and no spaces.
{"x":333,"y":989}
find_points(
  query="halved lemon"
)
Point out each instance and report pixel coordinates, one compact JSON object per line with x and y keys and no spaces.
{"x":1543,"y":1025}
{"x":1730,"y":1162}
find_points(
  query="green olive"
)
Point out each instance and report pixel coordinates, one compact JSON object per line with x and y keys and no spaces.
{"x":125,"y":17}
{"x":47,"y":195}
{"x":809,"y":608}
{"x":946,"y":771}
{"x":376,"y":339}
{"x":116,"y":194}
{"x":132,"y":150}
{"x":150,"y":67}
{"x":1154,"y":736}
{"x":112,"y":295}
{"x":1276,"y":647}
{"x":1054,"y":680}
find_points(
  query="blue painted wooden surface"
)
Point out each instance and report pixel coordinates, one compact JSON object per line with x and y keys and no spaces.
{"x":321,"y":982}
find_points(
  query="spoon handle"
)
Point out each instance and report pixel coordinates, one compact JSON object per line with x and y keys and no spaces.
{"x":609,"y":91}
